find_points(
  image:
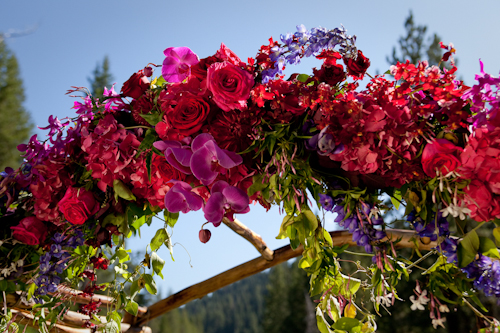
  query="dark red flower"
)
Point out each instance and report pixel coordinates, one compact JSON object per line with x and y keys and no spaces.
{"x":136,"y":85}
{"x":357,"y":67}
{"x":30,"y":231}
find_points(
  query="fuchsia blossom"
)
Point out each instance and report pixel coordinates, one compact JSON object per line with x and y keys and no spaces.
{"x":225,"y":200}
{"x":177,"y":64}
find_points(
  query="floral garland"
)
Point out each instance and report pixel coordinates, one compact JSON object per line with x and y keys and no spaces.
{"x":219,"y":133}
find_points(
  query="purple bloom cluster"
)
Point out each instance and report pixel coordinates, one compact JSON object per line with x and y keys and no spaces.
{"x":53,"y":263}
{"x":429,"y":229}
{"x":485,"y":99}
{"x":360,"y":223}
{"x":323,"y":142}
{"x":486,"y":275}
{"x":205,"y":161}
{"x":305,"y":43}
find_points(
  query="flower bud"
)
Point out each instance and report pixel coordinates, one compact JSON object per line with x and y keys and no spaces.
{"x":148,"y":71}
{"x":204,"y":235}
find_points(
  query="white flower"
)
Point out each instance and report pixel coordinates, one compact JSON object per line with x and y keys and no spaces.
{"x":456,"y":211}
{"x":420,"y":301}
{"x":438,"y":322}
{"x":5,"y":271}
{"x":444,"y":308}
{"x":20,"y":263}
{"x":384,"y":300}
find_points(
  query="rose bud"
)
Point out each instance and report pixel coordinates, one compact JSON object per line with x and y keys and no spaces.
{"x":204,"y":235}
{"x":136,"y":85}
{"x":148,"y":71}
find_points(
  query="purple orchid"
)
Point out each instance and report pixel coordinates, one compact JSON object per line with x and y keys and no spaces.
{"x":177,"y":155}
{"x":209,"y":160}
{"x":177,"y":64}
{"x":224,"y":201}
{"x":181,"y":198}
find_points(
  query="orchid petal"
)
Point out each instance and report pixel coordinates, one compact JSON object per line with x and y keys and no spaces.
{"x":237,"y":198}
{"x":214,"y":209}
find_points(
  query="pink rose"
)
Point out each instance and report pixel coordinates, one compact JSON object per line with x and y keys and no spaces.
{"x":77,"y":205}
{"x":230,"y":85}
{"x":30,"y":231}
{"x":440,"y":155}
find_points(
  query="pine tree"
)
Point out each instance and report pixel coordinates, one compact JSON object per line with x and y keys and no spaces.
{"x":102,"y":77}
{"x":415,"y":46}
{"x":15,"y":123}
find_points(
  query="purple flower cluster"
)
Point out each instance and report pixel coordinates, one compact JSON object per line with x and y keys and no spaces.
{"x":53,"y":263}
{"x":305,"y":43}
{"x":205,"y":161}
{"x":485,"y":100}
{"x":323,"y":142}
{"x":486,"y":275}
{"x":429,"y":229}
{"x":360,"y":223}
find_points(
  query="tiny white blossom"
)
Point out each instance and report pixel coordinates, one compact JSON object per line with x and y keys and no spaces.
{"x":420,"y":301}
{"x":455,"y":211}
{"x":438,"y":322}
{"x":444,"y":308}
{"x":384,"y":300}
{"x":20,"y":263}
{"x":5,"y":271}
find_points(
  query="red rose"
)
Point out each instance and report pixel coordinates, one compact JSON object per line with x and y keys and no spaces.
{"x":136,"y":85}
{"x":230,"y":85}
{"x":164,"y":171}
{"x":77,"y":205}
{"x":440,"y":155}
{"x":30,"y":231}
{"x":357,"y":67}
{"x":330,"y":74}
{"x":188,"y":115}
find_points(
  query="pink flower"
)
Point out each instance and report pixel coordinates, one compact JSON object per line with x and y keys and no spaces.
{"x":225,"y":200}
{"x":181,"y":198}
{"x":481,"y":202}
{"x":230,"y":85}
{"x":78,"y":205}
{"x":440,"y":155}
{"x":177,"y":64}
{"x":30,"y":231}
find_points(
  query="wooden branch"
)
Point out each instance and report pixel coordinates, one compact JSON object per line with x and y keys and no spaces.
{"x":250,"y":236}
{"x":75,"y":318}
{"x":258,"y":265}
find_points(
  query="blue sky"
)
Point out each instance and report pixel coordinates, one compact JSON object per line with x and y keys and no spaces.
{"x":71,"y":37}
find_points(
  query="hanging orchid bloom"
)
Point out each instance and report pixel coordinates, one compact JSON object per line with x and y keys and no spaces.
{"x":181,"y":198}
{"x":209,"y":160}
{"x":225,"y":200}
{"x":177,"y":64}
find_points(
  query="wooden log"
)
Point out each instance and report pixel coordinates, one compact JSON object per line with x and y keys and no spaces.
{"x":258,"y":265}
{"x":250,"y":236}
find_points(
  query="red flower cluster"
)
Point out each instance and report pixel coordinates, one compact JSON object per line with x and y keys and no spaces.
{"x":480,"y":162}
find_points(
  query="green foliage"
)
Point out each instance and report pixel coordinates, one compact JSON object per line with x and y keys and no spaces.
{"x":15,"y":126}
{"x":101,"y":78}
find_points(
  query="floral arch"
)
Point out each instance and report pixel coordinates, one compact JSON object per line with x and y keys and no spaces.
{"x":219,"y":133}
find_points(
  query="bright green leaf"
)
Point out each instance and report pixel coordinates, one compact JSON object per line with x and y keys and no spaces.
{"x":159,"y":238}
{"x":122,"y":255}
{"x":488,"y":248}
{"x":149,"y":283}
{"x":346,"y":324}
{"x":132,"y":308}
{"x":157,"y":263}
{"x":496,"y":234}
{"x":468,"y":248}
{"x":170,"y":218}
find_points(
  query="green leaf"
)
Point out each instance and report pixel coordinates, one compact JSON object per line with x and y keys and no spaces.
{"x":157,"y":263}
{"x":346,"y":324}
{"x":170,"y":218}
{"x":132,"y":308}
{"x":149,"y":283}
{"x":115,"y":316}
{"x":351,"y":285}
{"x":496,"y":234}
{"x":7,"y":286}
{"x":468,"y":248}
{"x":111,"y":327}
{"x":308,"y":216}
{"x":488,"y":248}
{"x":122,"y":255}
{"x":31,"y":291}
{"x":134,"y":288}
{"x":121,"y":190}
{"x":159,"y":238}
{"x":396,"y":198}
{"x":152,"y":119}
{"x":303,"y":78}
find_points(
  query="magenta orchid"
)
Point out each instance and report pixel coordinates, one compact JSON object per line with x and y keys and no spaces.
{"x":225,"y":200}
{"x":181,"y":198}
{"x":177,"y":64}
{"x":209,"y":160}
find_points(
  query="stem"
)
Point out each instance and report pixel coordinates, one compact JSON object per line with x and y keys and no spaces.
{"x":428,"y":254}
{"x":359,"y":254}
{"x":4,"y":304}
{"x":138,"y":126}
{"x":476,"y":311}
